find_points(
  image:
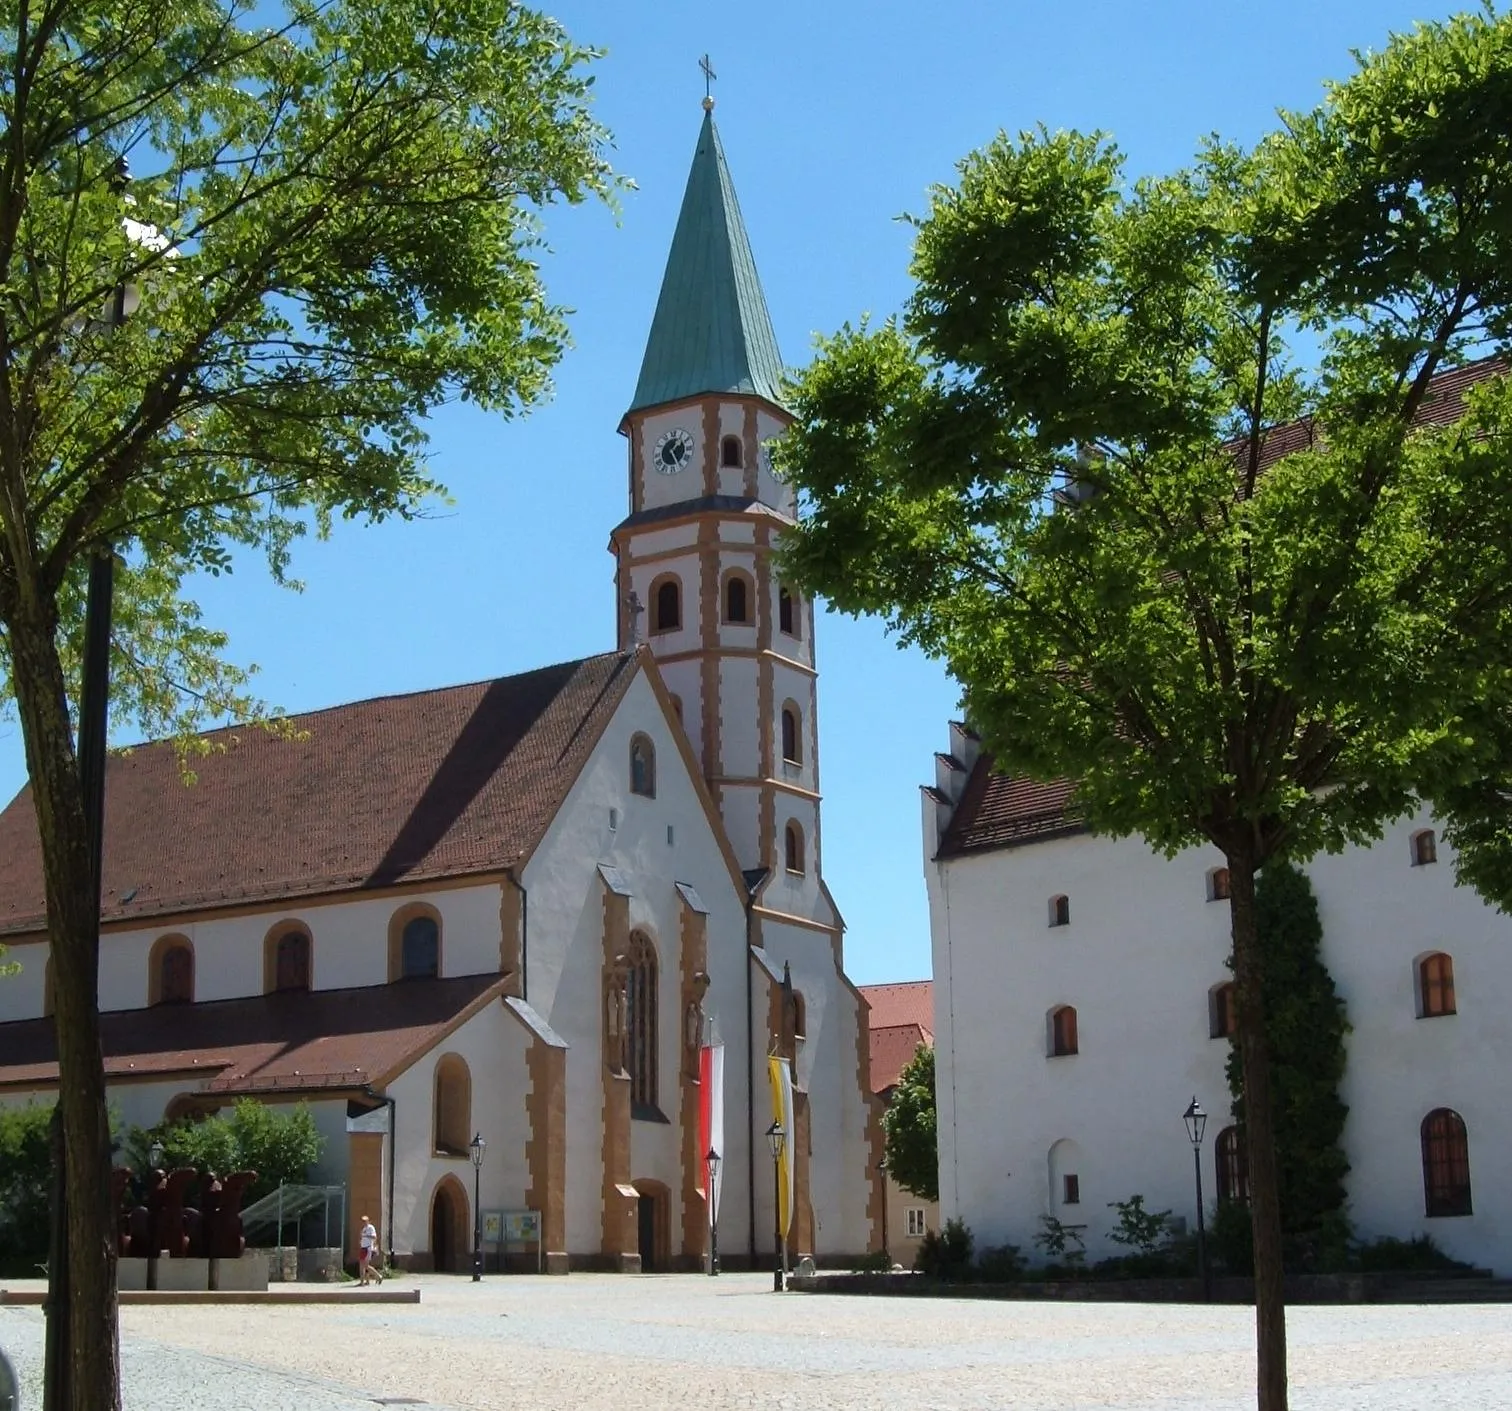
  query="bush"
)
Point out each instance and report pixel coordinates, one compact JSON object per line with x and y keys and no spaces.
{"x":1230,"y":1241}
{"x":279,"y":1146}
{"x":1000,"y":1264}
{"x":1144,"y":1231}
{"x":1391,"y":1256}
{"x":877,"y":1262}
{"x":945,"y":1255}
{"x":25,"y":1183}
{"x":1062,"y":1244}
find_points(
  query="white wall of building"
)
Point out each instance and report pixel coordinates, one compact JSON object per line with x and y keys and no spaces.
{"x":1137,"y":960}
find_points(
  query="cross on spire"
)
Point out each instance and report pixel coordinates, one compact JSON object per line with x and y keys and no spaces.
{"x":709,"y":77}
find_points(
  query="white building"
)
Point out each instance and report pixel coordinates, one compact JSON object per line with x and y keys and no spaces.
{"x":518,"y":907}
{"x":1079,"y":1006}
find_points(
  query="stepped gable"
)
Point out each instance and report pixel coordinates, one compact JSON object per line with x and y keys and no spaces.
{"x":436,"y":784}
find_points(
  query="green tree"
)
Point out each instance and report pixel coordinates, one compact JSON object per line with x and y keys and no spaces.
{"x":1158,"y":470}
{"x":1305,"y":1027}
{"x":913,"y":1154}
{"x":25,"y":1180}
{"x":335,"y":226}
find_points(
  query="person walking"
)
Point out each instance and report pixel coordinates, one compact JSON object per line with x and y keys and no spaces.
{"x":367,"y":1253}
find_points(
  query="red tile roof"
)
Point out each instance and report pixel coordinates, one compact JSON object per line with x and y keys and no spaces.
{"x":294,"y":1041}
{"x":899,"y":1018}
{"x":437,"y":784}
{"x":996,"y":811}
{"x":891,"y":1049}
{"x":908,"y":1002}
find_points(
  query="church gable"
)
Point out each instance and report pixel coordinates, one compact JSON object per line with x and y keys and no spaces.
{"x":438,"y":784}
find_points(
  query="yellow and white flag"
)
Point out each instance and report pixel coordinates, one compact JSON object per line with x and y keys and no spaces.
{"x":780,"y":1071}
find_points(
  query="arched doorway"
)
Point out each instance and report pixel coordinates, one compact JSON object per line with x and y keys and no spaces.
{"x":450,"y":1249}
{"x":653,"y":1226}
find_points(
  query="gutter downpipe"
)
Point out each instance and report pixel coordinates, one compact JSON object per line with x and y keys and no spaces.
{"x":393,"y":1145}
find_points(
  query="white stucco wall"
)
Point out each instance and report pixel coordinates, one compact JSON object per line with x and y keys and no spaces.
{"x":1142,"y":950}
{"x":350,"y":948}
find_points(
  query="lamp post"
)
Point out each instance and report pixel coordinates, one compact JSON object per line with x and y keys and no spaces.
{"x":711,"y":1165}
{"x":477,"y":1147}
{"x":155,"y":1156}
{"x":882,"y":1169}
{"x":1196,"y":1124}
{"x":776,"y":1140}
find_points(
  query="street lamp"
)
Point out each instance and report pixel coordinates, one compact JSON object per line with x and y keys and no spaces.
{"x":882,"y":1168}
{"x":1196,"y":1124}
{"x":776,"y":1140}
{"x":155,"y":1155}
{"x":711,"y":1164}
{"x":477,"y":1147}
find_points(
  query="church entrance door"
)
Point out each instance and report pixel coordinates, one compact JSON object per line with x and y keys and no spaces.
{"x":646,"y":1214}
{"x":448,"y":1231}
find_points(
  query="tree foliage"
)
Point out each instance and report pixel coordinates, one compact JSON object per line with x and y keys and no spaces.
{"x":913,"y":1157}
{"x":1305,"y":1028}
{"x":1165,"y":472}
{"x":280,"y":1146}
{"x":25,"y":1180}
{"x":333,"y":226}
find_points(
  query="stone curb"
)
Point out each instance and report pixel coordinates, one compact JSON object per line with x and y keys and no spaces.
{"x":35,"y":1298}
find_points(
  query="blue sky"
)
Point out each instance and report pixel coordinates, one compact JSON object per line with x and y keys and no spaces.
{"x":836,"y":117}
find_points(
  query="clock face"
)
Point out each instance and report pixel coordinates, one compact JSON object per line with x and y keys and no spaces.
{"x":766,"y":464}
{"x":674,"y":451}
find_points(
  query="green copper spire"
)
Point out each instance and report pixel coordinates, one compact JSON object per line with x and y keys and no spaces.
{"x":712,"y":331}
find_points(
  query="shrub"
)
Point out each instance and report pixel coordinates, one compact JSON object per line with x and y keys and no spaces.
{"x":947,"y":1254}
{"x":1230,"y":1239}
{"x":1062,"y":1244}
{"x":1000,"y":1264}
{"x":1391,"y":1256}
{"x":25,"y":1181}
{"x":1143,"y":1231}
{"x":877,"y":1262}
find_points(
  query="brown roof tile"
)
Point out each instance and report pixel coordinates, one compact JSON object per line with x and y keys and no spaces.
{"x":295,"y":1041}
{"x":436,"y":784}
{"x":908,"y":1002}
{"x":891,"y":1049}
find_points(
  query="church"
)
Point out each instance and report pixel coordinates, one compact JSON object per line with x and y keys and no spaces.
{"x":525,"y":909}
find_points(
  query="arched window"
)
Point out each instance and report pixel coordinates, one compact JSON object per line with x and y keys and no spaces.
{"x":792,"y":736}
{"x":641,"y":1023}
{"x":1060,"y":911}
{"x":642,"y":766}
{"x":1446,"y":1163}
{"x":800,"y":1016}
{"x":787,"y":614}
{"x":666,"y":605}
{"x":1063,"y":1032}
{"x":793,"y":847}
{"x":1435,"y":986}
{"x":171,"y":976}
{"x":1222,"y":1019}
{"x":729,"y":451}
{"x":737,"y":601}
{"x":420,"y":948}
{"x":291,"y":960}
{"x":1218,"y":884}
{"x":453,"y":1106}
{"x":1233,"y":1170}
{"x":1424,"y":848}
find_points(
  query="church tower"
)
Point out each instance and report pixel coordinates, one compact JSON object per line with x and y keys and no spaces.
{"x":695,"y":572}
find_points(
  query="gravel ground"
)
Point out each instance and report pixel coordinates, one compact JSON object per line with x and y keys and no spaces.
{"x":632,"y":1344}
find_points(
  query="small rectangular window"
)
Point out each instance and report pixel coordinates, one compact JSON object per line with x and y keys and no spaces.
{"x":915,"y":1222}
{"x":613,"y":819}
{"x":669,"y":835}
{"x":1071,"y":1190}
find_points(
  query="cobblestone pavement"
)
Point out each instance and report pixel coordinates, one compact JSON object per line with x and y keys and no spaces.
{"x":632,"y":1344}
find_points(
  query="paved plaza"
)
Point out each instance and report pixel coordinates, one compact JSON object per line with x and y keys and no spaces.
{"x":632,"y":1344}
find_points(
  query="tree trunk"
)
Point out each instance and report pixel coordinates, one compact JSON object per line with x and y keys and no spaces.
{"x":1259,"y":1141}
{"x":74,"y":935}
